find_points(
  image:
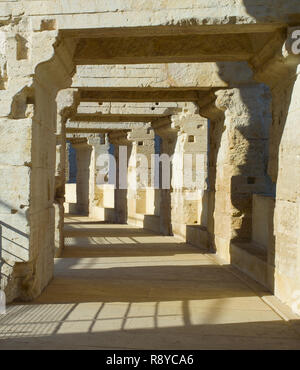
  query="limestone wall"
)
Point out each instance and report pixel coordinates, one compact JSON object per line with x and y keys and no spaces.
{"x":287,"y":169}
{"x":28,"y":116}
{"x":68,"y":15}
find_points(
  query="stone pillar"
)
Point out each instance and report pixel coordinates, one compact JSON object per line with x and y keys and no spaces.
{"x":67,"y":102}
{"x":189,"y":180}
{"x":29,"y":85}
{"x":70,"y":186}
{"x":67,"y":171}
{"x":287,"y":208}
{"x":240,"y":149}
{"x":184,"y":205}
{"x":101,"y":186}
{"x":119,"y":140}
{"x":282,"y":74}
{"x":140,"y":191}
{"x":168,"y":138}
{"x":83,"y":161}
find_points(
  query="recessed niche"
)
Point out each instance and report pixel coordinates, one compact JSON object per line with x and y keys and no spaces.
{"x":251,"y":180}
{"x":22,"y":49}
{"x":48,"y":25}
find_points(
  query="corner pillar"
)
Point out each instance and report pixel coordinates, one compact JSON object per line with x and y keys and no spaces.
{"x":241,"y":158}
{"x":281,"y":72}
{"x":67,"y":102}
{"x":28,"y":116}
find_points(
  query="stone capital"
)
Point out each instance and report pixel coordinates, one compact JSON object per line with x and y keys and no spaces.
{"x":141,"y":134}
{"x":186,"y":122}
{"x":67,"y":101}
{"x":97,"y":140}
{"x":223,"y":98}
{"x":278,"y":61}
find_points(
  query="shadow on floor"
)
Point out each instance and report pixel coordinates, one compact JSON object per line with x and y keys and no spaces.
{"x":89,"y":281}
{"x":146,"y":332}
{"x":144,"y":291}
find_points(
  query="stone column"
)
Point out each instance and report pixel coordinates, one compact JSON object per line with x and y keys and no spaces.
{"x":240,"y":147}
{"x":122,"y":152}
{"x":29,"y":85}
{"x":101,"y":186}
{"x":281,"y":73}
{"x":189,"y":180}
{"x":70,"y":186}
{"x":67,"y":171}
{"x":140,"y":191}
{"x":67,"y":102}
{"x":287,"y":208}
{"x":168,"y":138}
{"x":83,"y":161}
{"x":184,"y":205}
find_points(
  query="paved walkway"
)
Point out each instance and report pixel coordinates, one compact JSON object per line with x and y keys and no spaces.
{"x":121,"y":287}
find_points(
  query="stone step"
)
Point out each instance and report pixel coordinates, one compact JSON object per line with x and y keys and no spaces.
{"x":197,"y":236}
{"x":251,"y":258}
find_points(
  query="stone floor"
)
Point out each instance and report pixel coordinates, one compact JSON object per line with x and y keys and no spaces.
{"x":121,"y":287}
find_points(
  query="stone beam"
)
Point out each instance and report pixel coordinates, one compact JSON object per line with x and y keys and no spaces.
{"x":130,"y":108}
{"x":129,"y":112}
{"x":101,"y":127}
{"x":167,"y":49}
{"x":80,"y":137}
{"x":160,"y":76}
{"x":156,"y":109}
{"x":116,"y":117}
{"x":140,"y":96}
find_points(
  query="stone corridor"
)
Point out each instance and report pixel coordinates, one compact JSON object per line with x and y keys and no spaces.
{"x":122,"y":287}
{"x":149,"y":157}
